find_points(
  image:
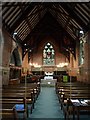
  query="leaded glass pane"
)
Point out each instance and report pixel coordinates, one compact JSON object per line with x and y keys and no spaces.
{"x":48,"y":55}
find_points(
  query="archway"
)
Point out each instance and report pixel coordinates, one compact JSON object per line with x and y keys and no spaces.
{"x":15,"y":65}
{"x":15,"y":58}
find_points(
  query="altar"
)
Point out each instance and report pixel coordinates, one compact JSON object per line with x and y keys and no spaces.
{"x":48,"y":82}
{"x":48,"y":75}
{"x":48,"y":79}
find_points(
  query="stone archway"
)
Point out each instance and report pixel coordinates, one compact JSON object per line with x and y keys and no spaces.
{"x":15,"y":58}
{"x":15,"y":65}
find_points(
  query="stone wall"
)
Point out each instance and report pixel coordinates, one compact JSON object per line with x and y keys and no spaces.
{"x":8,"y":46}
{"x":84,"y":69}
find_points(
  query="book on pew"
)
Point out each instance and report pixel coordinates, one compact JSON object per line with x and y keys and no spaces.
{"x":83,"y":103}
{"x":75,"y":102}
{"x":87,"y":101}
{"x":19,"y":107}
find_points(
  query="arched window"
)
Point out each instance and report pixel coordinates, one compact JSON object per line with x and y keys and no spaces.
{"x":48,"y":55}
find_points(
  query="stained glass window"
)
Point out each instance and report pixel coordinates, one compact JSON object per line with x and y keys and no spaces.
{"x":48,"y":55}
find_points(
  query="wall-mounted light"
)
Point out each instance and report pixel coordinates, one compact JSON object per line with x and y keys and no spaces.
{"x":35,"y":65}
{"x":30,"y":64}
{"x":62,"y":64}
{"x":30,"y":50}
{"x":25,"y":44}
{"x":67,"y":50}
{"x":15,"y":33}
{"x":81,"y":32}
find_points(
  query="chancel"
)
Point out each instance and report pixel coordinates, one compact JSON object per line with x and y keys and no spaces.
{"x":45,"y":60}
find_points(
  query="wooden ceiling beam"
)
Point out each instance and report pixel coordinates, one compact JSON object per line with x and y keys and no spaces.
{"x":58,"y":11}
{"x":74,"y":16}
{"x":6,"y":9}
{"x":10,"y":14}
{"x":18,"y":40}
{"x":26,"y":19}
{"x":67,"y":22}
{"x":6,"y":26}
{"x":22,"y":17}
{"x":39,"y":13}
{"x":65,"y":25}
{"x":7,"y":4}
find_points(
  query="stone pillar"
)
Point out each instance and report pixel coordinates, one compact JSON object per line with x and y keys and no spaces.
{"x":1,"y":49}
{"x":6,"y":52}
{"x":88,"y":42}
{"x":86,"y":70}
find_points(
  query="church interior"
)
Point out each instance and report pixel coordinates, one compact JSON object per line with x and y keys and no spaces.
{"x":45,"y":61}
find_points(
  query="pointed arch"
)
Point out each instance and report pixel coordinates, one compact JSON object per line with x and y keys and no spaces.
{"x":15,"y":58}
{"x":48,"y":54}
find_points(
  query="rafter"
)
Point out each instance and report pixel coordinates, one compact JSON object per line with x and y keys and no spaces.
{"x":22,"y":17}
{"x":29,"y":23}
{"x":74,"y":16}
{"x":59,"y":12}
{"x":26,"y":19}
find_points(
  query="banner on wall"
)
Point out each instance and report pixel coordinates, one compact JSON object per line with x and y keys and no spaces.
{"x":65,"y":78}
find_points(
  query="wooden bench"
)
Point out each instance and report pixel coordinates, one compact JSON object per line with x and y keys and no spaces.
{"x":14,"y":95}
{"x":68,"y":91}
{"x":9,"y":114}
{"x":67,"y":96}
{"x":75,"y":106}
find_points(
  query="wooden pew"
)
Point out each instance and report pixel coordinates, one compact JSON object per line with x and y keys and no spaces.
{"x":18,"y":98}
{"x":74,"y":108}
{"x":32,"y":92}
{"x":67,"y":96}
{"x":9,"y":114}
{"x":73,"y":86}
{"x":34,"y":86}
{"x":11,"y":103}
{"x":13,"y":95}
{"x":67,"y":91}
{"x":71,"y":92}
